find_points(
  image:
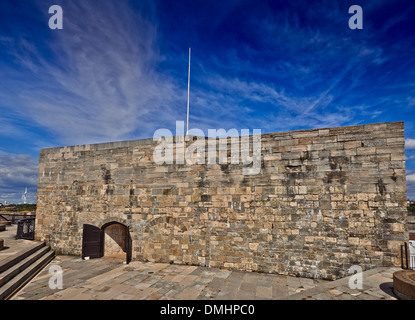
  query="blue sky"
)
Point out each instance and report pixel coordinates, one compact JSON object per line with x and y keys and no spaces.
{"x":118,"y":71}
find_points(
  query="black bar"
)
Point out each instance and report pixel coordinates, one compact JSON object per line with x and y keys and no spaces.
{"x":406,"y":256}
{"x":3,"y":217}
{"x":14,"y":217}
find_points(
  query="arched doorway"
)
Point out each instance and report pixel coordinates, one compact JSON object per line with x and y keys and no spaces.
{"x":112,"y":239}
{"x":117,"y":240}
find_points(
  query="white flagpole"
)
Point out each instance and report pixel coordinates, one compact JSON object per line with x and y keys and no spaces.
{"x":188,"y":93}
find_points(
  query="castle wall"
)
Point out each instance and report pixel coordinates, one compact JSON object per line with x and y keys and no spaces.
{"x":324,"y":200}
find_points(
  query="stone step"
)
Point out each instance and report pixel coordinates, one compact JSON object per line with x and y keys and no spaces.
{"x":16,"y":258}
{"x":20,"y":266}
{"x":22,"y":278}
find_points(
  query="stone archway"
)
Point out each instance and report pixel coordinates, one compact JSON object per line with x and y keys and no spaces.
{"x":116,"y":242}
{"x":164,"y":240}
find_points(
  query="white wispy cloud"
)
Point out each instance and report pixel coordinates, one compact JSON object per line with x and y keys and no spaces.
{"x":102,"y":83}
{"x":17,"y":172}
{"x":236,"y":102}
{"x":410,"y":184}
{"x":409,"y":144}
{"x":315,"y":74}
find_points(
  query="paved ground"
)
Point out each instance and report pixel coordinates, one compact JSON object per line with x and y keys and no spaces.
{"x":11,"y":245}
{"x":104,"y":279}
{"x":110,"y":278}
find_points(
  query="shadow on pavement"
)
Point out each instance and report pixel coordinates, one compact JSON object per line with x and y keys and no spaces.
{"x":387,"y":287}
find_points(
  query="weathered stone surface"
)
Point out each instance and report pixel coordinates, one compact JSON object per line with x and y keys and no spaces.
{"x":324,"y":200}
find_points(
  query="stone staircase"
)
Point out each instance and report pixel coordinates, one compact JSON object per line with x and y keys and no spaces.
{"x":17,"y":270}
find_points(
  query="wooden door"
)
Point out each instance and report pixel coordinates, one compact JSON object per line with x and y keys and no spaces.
{"x":92,"y":242}
{"x":128,"y":246}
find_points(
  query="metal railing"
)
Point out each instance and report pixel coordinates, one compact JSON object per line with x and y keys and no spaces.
{"x":407,"y":257}
{"x":14,"y":217}
{"x":412,"y":254}
{"x":26,"y":229}
{"x":404,"y":256}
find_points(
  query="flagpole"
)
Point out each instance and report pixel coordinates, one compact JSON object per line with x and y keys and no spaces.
{"x":188,"y":93}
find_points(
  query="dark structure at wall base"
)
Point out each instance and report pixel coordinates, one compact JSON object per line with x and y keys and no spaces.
{"x":324,"y":200}
{"x":404,"y":284}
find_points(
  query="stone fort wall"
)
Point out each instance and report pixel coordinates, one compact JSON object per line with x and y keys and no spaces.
{"x":324,"y":200}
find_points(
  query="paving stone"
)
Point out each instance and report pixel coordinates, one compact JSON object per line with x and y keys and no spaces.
{"x":155,"y":296}
{"x":307,"y":283}
{"x":335,"y":292}
{"x":379,"y":278}
{"x":322,"y":296}
{"x":226,"y":295}
{"x":279,"y":292}
{"x":264,"y":283}
{"x":113,"y":292}
{"x":376,"y":293}
{"x":188,"y":294}
{"x":245,"y":295}
{"x":188,"y":280}
{"x":201,"y":283}
{"x":143,"y":285}
{"x":125,"y":296}
{"x":188,"y":270}
{"x":344,"y":296}
{"x":264,"y":292}
{"x":293,"y":282}
{"x":248,"y":286}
